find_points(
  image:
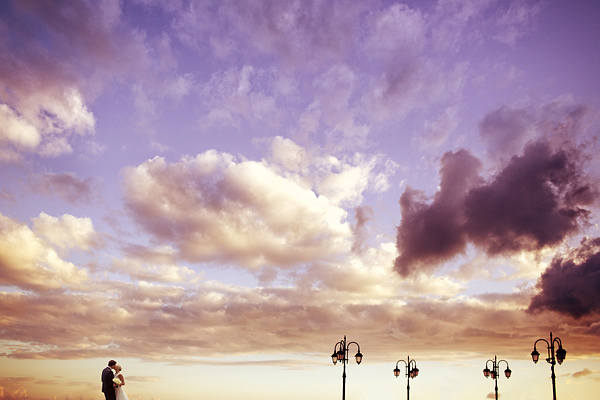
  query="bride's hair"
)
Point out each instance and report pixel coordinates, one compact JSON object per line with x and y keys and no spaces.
{"x":118,"y":367}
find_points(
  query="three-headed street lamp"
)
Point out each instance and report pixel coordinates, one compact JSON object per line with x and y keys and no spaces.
{"x":340,"y":353}
{"x":552,"y":359}
{"x":411,"y":371}
{"x":495,"y":372}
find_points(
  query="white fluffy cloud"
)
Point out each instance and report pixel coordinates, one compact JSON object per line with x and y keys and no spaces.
{"x":43,"y":124}
{"x":214,"y":208}
{"x":29,"y":262}
{"x":66,"y":232}
{"x":283,"y":212}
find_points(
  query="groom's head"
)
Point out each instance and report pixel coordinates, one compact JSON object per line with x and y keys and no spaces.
{"x":111,"y":363}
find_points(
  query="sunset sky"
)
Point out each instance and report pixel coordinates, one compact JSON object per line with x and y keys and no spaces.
{"x":214,"y":192}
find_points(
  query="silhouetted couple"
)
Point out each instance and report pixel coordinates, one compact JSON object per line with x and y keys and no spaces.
{"x":112,"y":382}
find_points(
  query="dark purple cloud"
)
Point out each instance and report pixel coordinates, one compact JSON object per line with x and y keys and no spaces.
{"x":534,"y":202}
{"x":529,"y":204}
{"x":432,"y":233}
{"x":571,"y":285}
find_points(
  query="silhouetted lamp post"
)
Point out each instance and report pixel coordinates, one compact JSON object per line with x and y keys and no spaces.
{"x":552,"y":359}
{"x":411,"y":372}
{"x":340,"y":353}
{"x":495,"y":372}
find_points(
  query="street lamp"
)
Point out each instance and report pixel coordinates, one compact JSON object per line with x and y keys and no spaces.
{"x":561,"y":354}
{"x":411,"y":372}
{"x":340,"y":353}
{"x":495,"y":372}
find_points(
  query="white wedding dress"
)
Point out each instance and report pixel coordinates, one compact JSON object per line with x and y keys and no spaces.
{"x":120,"y":393}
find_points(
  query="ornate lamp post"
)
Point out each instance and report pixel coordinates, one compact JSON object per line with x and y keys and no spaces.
{"x":552,"y":359}
{"x":495,"y":372}
{"x":411,"y":372}
{"x":340,"y":353}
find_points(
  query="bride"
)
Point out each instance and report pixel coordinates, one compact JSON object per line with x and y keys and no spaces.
{"x":119,"y":392}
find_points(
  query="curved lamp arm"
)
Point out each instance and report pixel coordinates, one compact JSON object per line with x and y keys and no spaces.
{"x":397,"y":370}
{"x":358,"y":355}
{"x":507,"y":371}
{"x":535,"y":355}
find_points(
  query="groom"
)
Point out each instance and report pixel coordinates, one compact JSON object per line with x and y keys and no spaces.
{"x":107,"y":381}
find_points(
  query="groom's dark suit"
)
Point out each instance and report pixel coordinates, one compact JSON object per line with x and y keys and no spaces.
{"x":107,"y":384}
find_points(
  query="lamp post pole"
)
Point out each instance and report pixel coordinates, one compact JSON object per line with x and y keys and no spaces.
{"x":495,"y":372}
{"x":340,"y":353}
{"x":411,"y":372}
{"x":552,"y":359}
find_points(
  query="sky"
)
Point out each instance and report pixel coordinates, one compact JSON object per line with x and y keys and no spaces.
{"x":215,"y":193}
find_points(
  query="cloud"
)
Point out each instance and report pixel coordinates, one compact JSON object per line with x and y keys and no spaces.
{"x":534,"y":202}
{"x":570,"y":284}
{"x":432,"y":233}
{"x":418,"y":83}
{"x":166,"y":322}
{"x":154,"y":272}
{"x":67,"y":186}
{"x":44,"y":93}
{"x":170,"y":317}
{"x":283,"y":211}
{"x":145,"y":379}
{"x":517,"y":20}
{"x":397,"y":31}
{"x":438,"y":131}
{"x":56,"y":60}
{"x":66,"y":232}
{"x":298,"y":35}
{"x":336,"y":89}
{"x":12,"y":391}
{"x":507,"y":130}
{"x":233,"y":96}
{"x":44,"y":127}
{"x":585,"y":372}
{"x":29,"y":261}
{"x":212,"y":208}
{"x":362,"y":215}
{"x":455,"y":24}
{"x":17,"y":134}
{"x":530,"y":204}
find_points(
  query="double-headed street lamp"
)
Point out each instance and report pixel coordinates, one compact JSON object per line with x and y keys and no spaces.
{"x":340,"y":353}
{"x":561,"y":354}
{"x":411,"y":371}
{"x":495,"y":372}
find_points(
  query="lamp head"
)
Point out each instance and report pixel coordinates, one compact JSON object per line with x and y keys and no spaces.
{"x":358,"y":357}
{"x":341,"y":355}
{"x":561,"y":354}
{"x":396,"y":372}
{"x":334,"y":358}
{"x":486,"y":372}
{"x":416,"y":371}
{"x":507,"y":372}
{"x":535,"y":355}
